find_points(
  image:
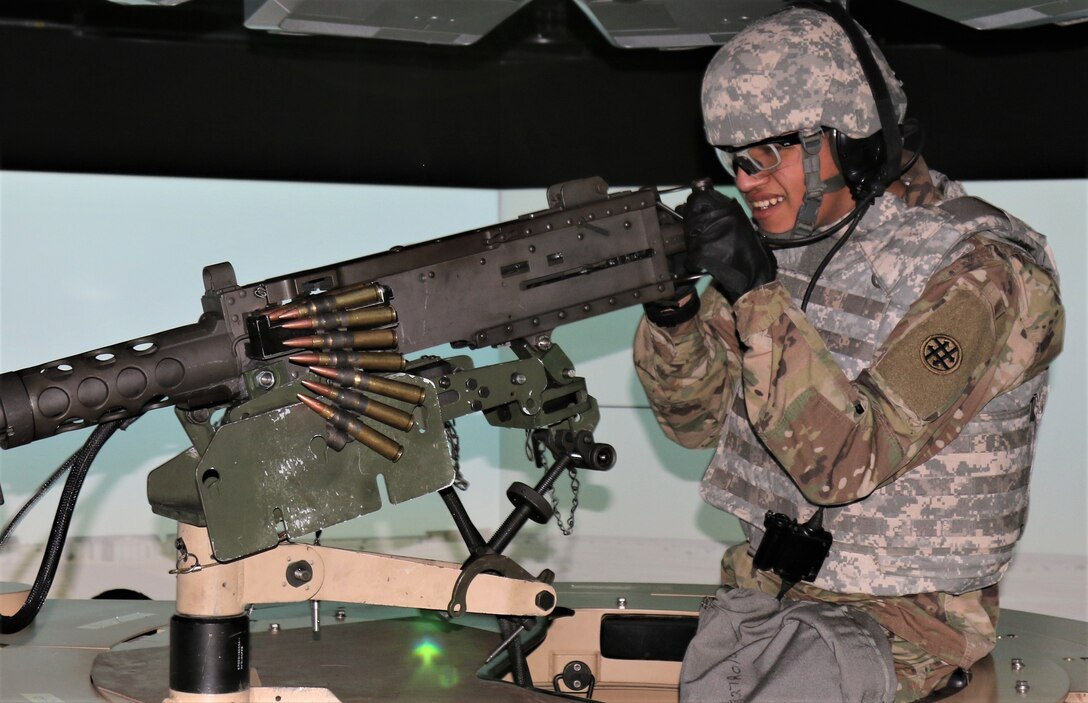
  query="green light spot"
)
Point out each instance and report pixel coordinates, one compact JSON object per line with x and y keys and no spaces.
{"x":427,"y":651}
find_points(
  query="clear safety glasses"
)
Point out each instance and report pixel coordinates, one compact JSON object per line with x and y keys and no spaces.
{"x":756,"y":158}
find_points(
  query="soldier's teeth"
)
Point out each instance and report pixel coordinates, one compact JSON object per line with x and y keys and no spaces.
{"x":764,"y":204}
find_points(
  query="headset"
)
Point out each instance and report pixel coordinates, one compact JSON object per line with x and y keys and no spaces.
{"x":868,"y":164}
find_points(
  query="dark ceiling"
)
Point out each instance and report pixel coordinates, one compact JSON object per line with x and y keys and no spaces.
{"x":89,"y":86}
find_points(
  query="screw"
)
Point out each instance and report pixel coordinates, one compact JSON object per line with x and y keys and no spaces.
{"x":274,"y":627}
{"x":341,"y":614}
{"x":1017,"y":664}
{"x":266,"y":379}
{"x":1022,"y":686}
{"x":518,"y":379}
{"x":621,"y":603}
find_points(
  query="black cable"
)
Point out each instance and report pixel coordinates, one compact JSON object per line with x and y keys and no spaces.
{"x":31,"y":502}
{"x":80,"y":465}
{"x":859,"y":213}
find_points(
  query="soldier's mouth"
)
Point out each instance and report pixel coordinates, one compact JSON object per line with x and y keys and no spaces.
{"x":767,"y":203}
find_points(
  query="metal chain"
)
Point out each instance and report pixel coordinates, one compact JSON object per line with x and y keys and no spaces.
{"x":568,"y":529}
{"x":181,"y":566}
{"x":459,"y":481}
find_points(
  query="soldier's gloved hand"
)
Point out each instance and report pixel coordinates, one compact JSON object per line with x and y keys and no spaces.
{"x":722,"y":242}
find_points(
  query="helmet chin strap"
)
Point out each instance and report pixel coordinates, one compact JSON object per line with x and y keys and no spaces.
{"x":804,"y":229}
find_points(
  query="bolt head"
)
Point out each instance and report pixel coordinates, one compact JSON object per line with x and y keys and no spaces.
{"x":545,"y":600}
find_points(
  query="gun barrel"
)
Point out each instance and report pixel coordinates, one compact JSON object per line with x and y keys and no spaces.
{"x":193,"y":365}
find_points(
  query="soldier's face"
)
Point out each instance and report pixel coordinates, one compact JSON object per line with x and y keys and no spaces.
{"x":775,"y":196}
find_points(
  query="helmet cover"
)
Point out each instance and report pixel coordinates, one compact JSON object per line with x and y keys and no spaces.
{"x":794,"y":71}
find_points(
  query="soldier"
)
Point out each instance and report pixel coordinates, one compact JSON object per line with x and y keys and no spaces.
{"x":870,"y":361}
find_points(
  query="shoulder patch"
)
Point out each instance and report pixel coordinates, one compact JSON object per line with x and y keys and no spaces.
{"x":932,"y":365}
{"x":941,"y":354}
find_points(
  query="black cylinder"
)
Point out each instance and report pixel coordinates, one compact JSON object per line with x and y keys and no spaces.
{"x":520,"y":515}
{"x":209,"y":655}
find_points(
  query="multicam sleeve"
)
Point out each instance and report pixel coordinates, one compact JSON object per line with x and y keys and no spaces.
{"x":840,"y":439}
{"x":689,"y":371}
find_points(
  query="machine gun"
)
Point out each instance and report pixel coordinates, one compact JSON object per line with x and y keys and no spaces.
{"x":270,"y":462}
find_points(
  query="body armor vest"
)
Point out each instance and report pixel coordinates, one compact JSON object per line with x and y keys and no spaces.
{"x":949,"y":524}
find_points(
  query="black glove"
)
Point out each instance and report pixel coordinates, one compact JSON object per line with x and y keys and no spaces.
{"x":722,"y":242}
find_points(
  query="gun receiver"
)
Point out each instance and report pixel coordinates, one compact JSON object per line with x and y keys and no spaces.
{"x":589,"y":253}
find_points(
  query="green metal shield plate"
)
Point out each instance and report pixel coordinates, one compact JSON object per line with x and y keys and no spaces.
{"x":269,"y":475}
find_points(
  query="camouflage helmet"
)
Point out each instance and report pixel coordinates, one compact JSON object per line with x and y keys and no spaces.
{"x":794,"y":71}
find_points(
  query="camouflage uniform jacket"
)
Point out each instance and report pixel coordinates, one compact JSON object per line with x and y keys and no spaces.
{"x":907,"y":396}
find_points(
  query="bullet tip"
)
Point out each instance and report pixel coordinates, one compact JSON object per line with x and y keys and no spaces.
{"x":319,"y":388}
{"x":311,"y":403}
{"x":295,"y":324}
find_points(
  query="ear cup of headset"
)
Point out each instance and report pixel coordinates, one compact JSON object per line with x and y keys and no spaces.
{"x":861,"y":162}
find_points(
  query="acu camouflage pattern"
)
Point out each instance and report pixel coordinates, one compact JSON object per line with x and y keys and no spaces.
{"x":794,"y":71}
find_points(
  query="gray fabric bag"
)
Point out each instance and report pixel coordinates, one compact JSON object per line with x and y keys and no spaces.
{"x":752,"y":648}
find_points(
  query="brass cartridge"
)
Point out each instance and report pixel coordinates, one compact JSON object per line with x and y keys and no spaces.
{"x":359,"y":403}
{"x":368,"y":361}
{"x":350,"y":319}
{"x":344,"y":298}
{"x":354,"y":428}
{"x":367,"y":339}
{"x":378,"y":385}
